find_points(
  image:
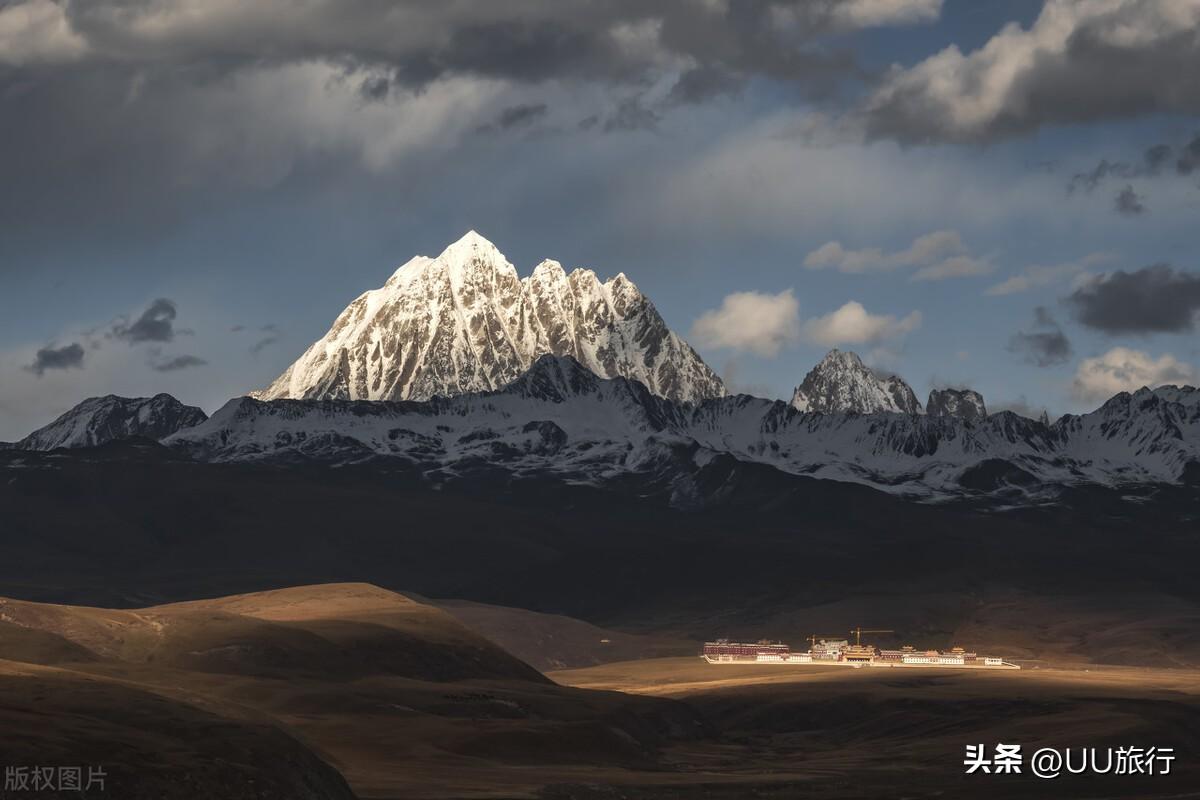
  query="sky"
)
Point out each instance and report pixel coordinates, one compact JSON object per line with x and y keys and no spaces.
{"x":993,"y":194}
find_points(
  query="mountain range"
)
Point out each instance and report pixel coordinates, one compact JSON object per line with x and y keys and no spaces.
{"x":458,"y":368}
{"x":562,"y":422}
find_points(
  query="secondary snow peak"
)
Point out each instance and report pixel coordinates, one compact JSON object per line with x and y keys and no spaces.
{"x":842,"y":384}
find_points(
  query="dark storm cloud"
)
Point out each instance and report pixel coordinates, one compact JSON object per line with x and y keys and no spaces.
{"x":123,"y":117}
{"x":1045,"y":344}
{"x":1155,"y":161}
{"x":1189,"y":158}
{"x":1156,"y":157}
{"x":1154,"y":299}
{"x":526,"y":40}
{"x":632,"y":115}
{"x":1088,"y":181}
{"x":702,"y":84}
{"x":67,"y":357}
{"x":1129,"y":203}
{"x":178,"y":363}
{"x":514,"y":116}
{"x":517,"y":116}
{"x":156,"y":324}
{"x":375,"y":87}
{"x":1078,"y":63}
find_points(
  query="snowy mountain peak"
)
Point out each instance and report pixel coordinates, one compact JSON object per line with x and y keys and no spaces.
{"x":549,"y":271}
{"x":466,"y":322}
{"x":472,"y":244}
{"x":100,"y":420}
{"x":961,"y":403}
{"x":842,"y":384}
{"x":845,"y":359}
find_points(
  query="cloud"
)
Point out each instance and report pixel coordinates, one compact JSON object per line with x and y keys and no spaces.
{"x":939,"y":255}
{"x":731,"y":376}
{"x":832,"y":254}
{"x":1189,"y":157}
{"x":263,"y":344}
{"x":156,"y":324}
{"x":1129,"y":203}
{"x":632,"y":115}
{"x":867,"y":13}
{"x":853,"y":324}
{"x":1045,"y":345}
{"x":752,"y":322}
{"x":67,"y":357}
{"x":178,"y":363}
{"x":1122,"y":369}
{"x":151,"y":99}
{"x":517,"y":116}
{"x":701,"y":84}
{"x":1038,"y":275}
{"x":1154,"y":160}
{"x":271,"y":331}
{"x":1080,"y":61}
{"x":38,"y":32}
{"x":1154,"y":299}
{"x":963,"y":266}
{"x":421,"y":42}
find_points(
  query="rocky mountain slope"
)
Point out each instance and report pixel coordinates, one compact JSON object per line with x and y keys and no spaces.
{"x":964,"y":403}
{"x":100,"y":420}
{"x":465,"y":322}
{"x":841,"y":383}
{"x":560,"y":419}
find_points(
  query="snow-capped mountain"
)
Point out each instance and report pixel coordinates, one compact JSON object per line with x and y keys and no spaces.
{"x":842,"y":384}
{"x":100,"y":420}
{"x":963,"y":403}
{"x":465,"y":322}
{"x":560,"y":419}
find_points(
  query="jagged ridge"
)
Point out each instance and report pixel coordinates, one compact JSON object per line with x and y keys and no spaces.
{"x":964,"y":403}
{"x":465,"y":322}
{"x":841,"y":383}
{"x":561,"y":419}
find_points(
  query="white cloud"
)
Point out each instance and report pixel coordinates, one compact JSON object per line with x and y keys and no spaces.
{"x":1081,"y":60}
{"x":938,"y":255}
{"x":37,"y":31}
{"x":931,"y":247}
{"x":852,"y":14}
{"x":1122,"y":369}
{"x":832,"y":254}
{"x":963,"y":266}
{"x":751,"y":321}
{"x":769,"y":178}
{"x":1037,"y":275}
{"x":853,"y":324}
{"x":258,"y":124}
{"x":866,"y":13}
